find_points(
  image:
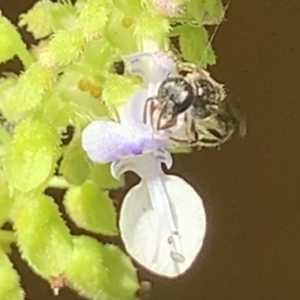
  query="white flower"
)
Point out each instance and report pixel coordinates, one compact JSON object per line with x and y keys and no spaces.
{"x":162,"y":219}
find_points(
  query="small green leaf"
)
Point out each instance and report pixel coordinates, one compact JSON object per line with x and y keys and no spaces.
{"x":91,"y":209}
{"x":10,"y":288}
{"x":55,"y":111}
{"x":38,"y":19}
{"x":32,"y":155}
{"x":100,"y":173}
{"x":129,"y":7}
{"x":101,"y":272}
{"x":64,"y":47}
{"x":85,"y":272}
{"x":195,"y":45}
{"x":11,"y":43}
{"x":75,"y":166}
{"x":208,"y":12}
{"x":42,"y":236}
{"x":122,"y":281}
{"x":93,"y":16}
{"x":214,"y":12}
{"x":46,"y":16}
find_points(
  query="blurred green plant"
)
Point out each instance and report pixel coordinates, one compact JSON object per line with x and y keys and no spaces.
{"x":68,"y":80}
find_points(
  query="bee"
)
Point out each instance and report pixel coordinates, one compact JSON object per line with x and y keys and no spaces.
{"x":195,"y":107}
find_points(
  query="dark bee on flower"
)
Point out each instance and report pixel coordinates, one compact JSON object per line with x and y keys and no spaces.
{"x":193,"y":98}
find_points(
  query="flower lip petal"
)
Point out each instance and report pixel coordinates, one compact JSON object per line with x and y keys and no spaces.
{"x":153,"y":67}
{"x":107,"y":141}
{"x":141,"y":234}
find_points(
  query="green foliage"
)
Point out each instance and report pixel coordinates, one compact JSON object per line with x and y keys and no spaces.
{"x":68,"y":80}
{"x":45,"y":17}
{"x":28,"y":93}
{"x":194,"y":45}
{"x":91,"y":209}
{"x":9,"y":280}
{"x":101,"y":272}
{"x":117,"y":89}
{"x":151,"y":28}
{"x":130,"y":8}
{"x":32,"y":155}
{"x":43,"y":238}
{"x":102,"y":176}
{"x":64,"y":47}
{"x":75,"y":166}
{"x":93,"y":17}
{"x":11,"y":43}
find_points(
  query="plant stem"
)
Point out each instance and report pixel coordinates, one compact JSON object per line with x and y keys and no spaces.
{"x":25,"y":57}
{"x":7,"y":236}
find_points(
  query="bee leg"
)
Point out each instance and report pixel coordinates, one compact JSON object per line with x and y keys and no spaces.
{"x":191,"y":131}
{"x":180,"y":141}
{"x":148,"y":111}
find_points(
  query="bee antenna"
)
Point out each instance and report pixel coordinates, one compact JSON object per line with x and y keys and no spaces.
{"x":215,"y":31}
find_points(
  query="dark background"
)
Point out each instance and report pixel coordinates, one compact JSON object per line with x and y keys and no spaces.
{"x":251,"y":187}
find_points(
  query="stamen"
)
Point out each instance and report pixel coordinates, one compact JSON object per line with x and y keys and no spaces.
{"x":177,"y":257}
{"x":161,"y":204}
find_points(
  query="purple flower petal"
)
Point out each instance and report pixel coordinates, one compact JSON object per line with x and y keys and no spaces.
{"x":152,"y":67}
{"x":107,"y":141}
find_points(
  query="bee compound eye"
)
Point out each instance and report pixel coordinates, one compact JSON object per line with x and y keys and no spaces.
{"x":178,"y":91}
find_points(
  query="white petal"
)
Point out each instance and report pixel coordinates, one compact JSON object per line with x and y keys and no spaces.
{"x":133,"y":109}
{"x":143,"y":235}
{"x":153,"y":67}
{"x":145,"y":166}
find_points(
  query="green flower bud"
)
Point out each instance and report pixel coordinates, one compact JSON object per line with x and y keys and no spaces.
{"x":93,"y":17}
{"x":28,"y":93}
{"x":63,"y":48}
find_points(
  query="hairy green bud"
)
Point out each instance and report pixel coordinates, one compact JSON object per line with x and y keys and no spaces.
{"x":28,"y":93}
{"x":93,"y":17}
{"x":63,"y":48}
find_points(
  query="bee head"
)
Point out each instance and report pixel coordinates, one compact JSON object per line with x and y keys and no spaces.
{"x":176,"y":94}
